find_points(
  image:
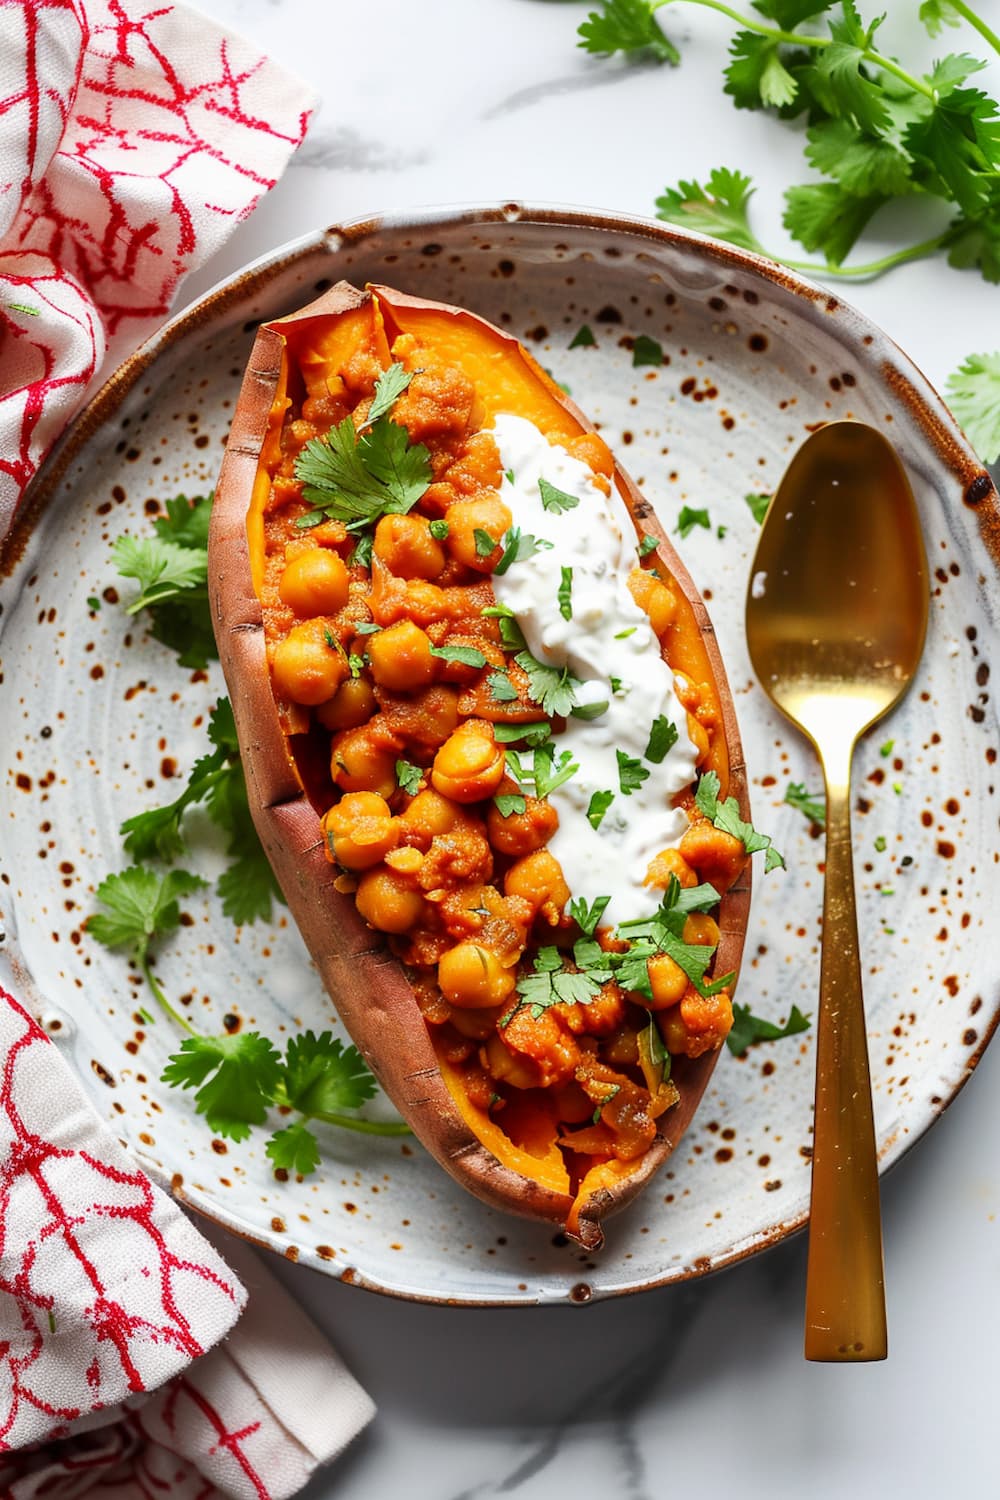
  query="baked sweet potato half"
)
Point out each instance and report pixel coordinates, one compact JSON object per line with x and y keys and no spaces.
{"x":489,"y":746}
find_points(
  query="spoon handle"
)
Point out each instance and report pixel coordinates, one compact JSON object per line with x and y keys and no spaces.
{"x":845,"y":1293}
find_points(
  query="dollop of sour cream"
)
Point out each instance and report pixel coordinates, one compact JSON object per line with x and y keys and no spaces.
{"x":609,"y":645}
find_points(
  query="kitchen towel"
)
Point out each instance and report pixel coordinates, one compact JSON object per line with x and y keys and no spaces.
{"x":135,"y":1358}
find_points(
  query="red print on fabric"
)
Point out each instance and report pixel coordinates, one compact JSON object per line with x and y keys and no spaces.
{"x":137,"y":142}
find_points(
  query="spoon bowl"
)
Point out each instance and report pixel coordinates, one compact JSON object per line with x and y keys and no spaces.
{"x":836,"y":617}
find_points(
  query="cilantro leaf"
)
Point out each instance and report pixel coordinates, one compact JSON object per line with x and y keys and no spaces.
{"x":552,"y":688}
{"x":534,"y":733}
{"x":583,"y":338}
{"x":936,"y":14}
{"x":748,"y":1029}
{"x":234,"y":1077}
{"x":757,"y":75}
{"x":467,"y":656}
{"x":864,"y":165}
{"x":501,"y":689}
{"x":974,"y":394}
{"x":823,"y":216}
{"x":485,"y":544}
{"x":758,"y":506}
{"x":162,"y":568}
{"x":840,"y":80}
{"x":961,"y":137}
{"x":631,"y":773}
{"x":598,"y":806}
{"x":547,"y":773}
{"x":811,"y":805}
{"x":438,"y":530}
{"x":186,"y":522}
{"x":587,"y":917}
{"x":627,"y":26}
{"x":663,"y":736}
{"x":719,"y":208}
{"x":356,"y":477}
{"x":688,"y":519}
{"x":321,"y":1076}
{"x":726,"y":815}
{"x":518,"y":547}
{"x":646,"y":351}
{"x":141,"y":906}
{"x":647,"y":545}
{"x":294,"y":1149}
{"x":507,"y":803}
{"x":409,"y":776}
{"x":554,"y":499}
{"x":388,"y":388}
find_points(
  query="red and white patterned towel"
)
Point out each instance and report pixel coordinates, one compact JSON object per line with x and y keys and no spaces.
{"x":132,"y":139}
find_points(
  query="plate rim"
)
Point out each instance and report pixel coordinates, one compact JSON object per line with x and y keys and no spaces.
{"x":901,"y":375}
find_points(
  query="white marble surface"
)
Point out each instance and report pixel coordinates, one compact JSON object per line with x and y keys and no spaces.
{"x":700,"y":1390}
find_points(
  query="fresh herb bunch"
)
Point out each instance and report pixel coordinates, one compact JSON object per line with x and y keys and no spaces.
{"x":876,"y":133}
{"x":171,"y":569}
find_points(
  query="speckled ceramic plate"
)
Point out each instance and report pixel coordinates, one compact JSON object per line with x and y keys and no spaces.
{"x":100,"y":721}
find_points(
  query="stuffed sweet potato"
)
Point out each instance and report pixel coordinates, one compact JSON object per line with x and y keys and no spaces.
{"x":487,"y":733}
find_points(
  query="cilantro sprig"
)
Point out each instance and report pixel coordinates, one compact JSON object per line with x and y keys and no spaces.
{"x":171,"y":569}
{"x":358,"y":474}
{"x":748,"y":1029}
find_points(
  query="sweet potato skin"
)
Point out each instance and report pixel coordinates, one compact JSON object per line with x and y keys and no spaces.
{"x":367,"y":984}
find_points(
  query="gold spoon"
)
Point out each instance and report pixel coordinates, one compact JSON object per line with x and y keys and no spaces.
{"x":836,"y":616}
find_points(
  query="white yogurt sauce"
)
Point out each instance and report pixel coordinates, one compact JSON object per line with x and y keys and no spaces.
{"x":596,"y":539}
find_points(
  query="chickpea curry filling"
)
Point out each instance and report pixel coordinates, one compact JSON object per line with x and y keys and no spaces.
{"x":522,"y":746}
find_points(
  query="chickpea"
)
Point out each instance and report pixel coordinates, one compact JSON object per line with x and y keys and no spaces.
{"x":539,"y":880}
{"x":486,"y":513}
{"x":667,"y":980}
{"x":702,"y":930}
{"x":522,"y":833}
{"x":472,"y":977}
{"x":470,"y":764}
{"x":359,"y":830}
{"x":428,"y":815}
{"x":401,"y":657}
{"x":388,"y":901}
{"x":405,"y":545}
{"x":501,"y":1064}
{"x":308,"y":666}
{"x":359,"y":764}
{"x":352,"y":704}
{"x":699,"y":1024}
{"x":669,"y":862}
{"x":718,"y":857}
{"x":314,"y":583}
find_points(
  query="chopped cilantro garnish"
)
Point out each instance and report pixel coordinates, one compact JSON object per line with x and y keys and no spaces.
{"x":583,"y":338}
{"x":646,"y":351}
{"x":749,"y":1029}
{"x":631,"y":773}
{"x":553,"y":688}
{"x":517,"y":547}
{"x":468,"y":656}
{"x":587,"y":917}
{"x":555,"y":499}
{"x":501,"y":689}
{"x":438,"y":530}
{"x":598,"y":806}
{"x":485,"y":544}
{"x":663,"y":736}
{"x":409,"y":776}
{"x":811,"y":805}
{"x":648,"y":544}
{"x":565,"y":592}
{"x":758,"y":506}
{"x":509,"y":802}
{"x":688,"y":519}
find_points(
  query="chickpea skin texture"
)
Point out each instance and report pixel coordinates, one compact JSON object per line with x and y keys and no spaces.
{"x":307,"y":666}
{"x":314,"y":583}
{"x":470,"y":764}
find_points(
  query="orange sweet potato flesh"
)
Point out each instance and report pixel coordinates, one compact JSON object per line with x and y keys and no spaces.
{"x":366,"y":982}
